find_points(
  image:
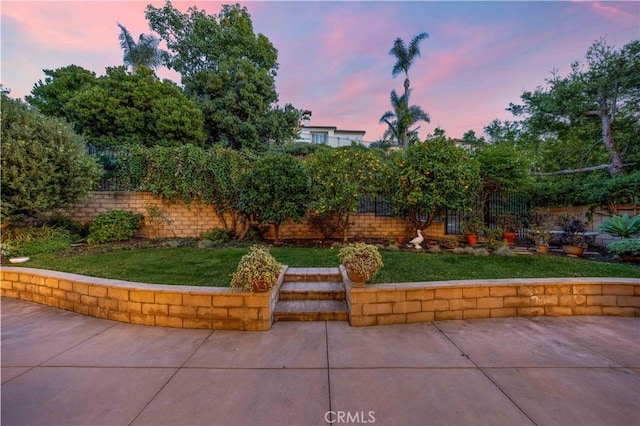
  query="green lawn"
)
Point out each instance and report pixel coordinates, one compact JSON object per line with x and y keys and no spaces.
{"x":213,"y":267}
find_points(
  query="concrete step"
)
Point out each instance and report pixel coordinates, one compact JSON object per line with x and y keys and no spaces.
{"x":311,"y":310}
{"x":313,"y":275}
{"x":303,"y":290}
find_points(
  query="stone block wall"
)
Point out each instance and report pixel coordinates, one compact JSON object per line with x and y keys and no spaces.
{"x":181,"y":220}
{"x":456,"y":300}
{"x":138,"y":303}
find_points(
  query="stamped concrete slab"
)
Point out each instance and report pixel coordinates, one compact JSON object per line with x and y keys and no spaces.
{"x":617,"y":338}
{"x":286,"y":345}
{"x":407,"y":345}
{"x":519,"y":342}
{"x":422,"y":397}
{"x":240,"y":397}
{"x":131,"y":345}
{"x":80,"y":396}
{"x":38,"y":337}
{"x":573,"y":396}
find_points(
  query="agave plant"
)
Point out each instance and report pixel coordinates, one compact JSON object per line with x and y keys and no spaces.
{"x":621,"y":226}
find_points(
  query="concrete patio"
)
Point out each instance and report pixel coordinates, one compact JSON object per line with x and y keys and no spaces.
{"x":64,"y":368}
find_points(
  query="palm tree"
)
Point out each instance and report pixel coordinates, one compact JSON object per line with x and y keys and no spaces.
{"x":405,"y":55}
{"x":144,"y":53}
{"x":401,"y":118}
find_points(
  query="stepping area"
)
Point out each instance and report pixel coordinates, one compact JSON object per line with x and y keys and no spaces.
{"x":63,"y":368}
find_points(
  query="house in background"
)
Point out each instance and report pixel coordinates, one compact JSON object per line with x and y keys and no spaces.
{"x":329,"y":135}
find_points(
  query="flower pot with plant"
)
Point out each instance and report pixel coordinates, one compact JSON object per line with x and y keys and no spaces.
{"x":361,"y":261}
{"x":539,"y":229}
{"x":509,"y":223}
{"x":257,"y":271}
{"x":573,"y":240}
{"x":471,"y":227}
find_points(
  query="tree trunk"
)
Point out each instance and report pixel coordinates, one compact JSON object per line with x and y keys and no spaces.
{"x":405,"y":136}
{"x":617,"y":164}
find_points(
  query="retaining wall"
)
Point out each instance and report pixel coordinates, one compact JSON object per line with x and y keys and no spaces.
{"x":138,"y":303}
{"x":379,"y":304}
{"x":382,"y":304}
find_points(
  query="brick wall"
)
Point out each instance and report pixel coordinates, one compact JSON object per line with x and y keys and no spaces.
{"x":181,"y":220}
{"x":382,"y":304}
{"x":138,"y":303}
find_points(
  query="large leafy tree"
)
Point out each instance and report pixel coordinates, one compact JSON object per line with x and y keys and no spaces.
{"x":591,"y":114}
{"x":228,"y":70}
{"x":143,"y":53}
{"x":405,"y":56}
{"x":45,"y":166}
{"x":120,"y":108}
{"x":429,"y":177}
{"x":400,"y":119}
{"x":59,"y":86}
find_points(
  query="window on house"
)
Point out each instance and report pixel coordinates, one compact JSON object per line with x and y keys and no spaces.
{"x":319,"y":137}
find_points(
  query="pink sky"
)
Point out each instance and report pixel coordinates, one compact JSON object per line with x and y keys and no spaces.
{"x":333,"y":56}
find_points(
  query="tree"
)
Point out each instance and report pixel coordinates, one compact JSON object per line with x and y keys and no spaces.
{"x":45,"y":166}
{"x":228,"y":70}
{"x":120,"y":108}
{"x":405,"y":55}
{"x":59,"y":86}
{"x":606,"y":87}
{"x":143,"y":53}
{"x":339,"y":179}
{"x":274,"y":190}
{"x":401,"y":118}
{"x":432,"y":176}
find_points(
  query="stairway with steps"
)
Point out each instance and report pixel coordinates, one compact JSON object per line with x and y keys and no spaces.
{"x":312,"y":294}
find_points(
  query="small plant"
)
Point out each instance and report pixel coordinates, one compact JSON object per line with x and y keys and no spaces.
{"x":257,"y":271}
{"x":573,"y":234}
{"x":540,"y":226}
{"x":503,"y":250}
{"x":361,"y":259}
{"x":627,"y":247}
{"x":218,"y":235}
{"x":621,"y":226}
{"x":509,"y":222}
{"x":448,"y":242}
{"x":472,"y":225}
{"x":493,"y":238}
{"x":29,"y":240}
{"x":114,"y":225}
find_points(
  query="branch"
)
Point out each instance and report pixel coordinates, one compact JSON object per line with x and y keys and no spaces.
{"x":570,"y":171}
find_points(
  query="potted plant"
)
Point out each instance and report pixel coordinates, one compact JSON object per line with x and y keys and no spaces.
{"x":493,"y":238}
{"x":361,"y":261}
{"x":471,"y":227}
{"x":573,"y":240}
{"x":509,"y":223}
{"x":627,"y":249}
{"x":540,"y":229}
{"x":257,"y":271}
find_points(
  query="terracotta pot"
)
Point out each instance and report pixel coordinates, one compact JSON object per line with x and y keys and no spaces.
{"x":542,"y":249}
{"x":357,"y":279}
{"x":472,"y":239}
{"x":509,"y":237}
{"x":573,"y":250}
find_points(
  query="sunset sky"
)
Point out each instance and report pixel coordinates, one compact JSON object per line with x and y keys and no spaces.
{"x":333,"y":56}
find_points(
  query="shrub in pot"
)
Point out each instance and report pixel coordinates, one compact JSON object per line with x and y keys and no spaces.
{"x":509,"y":223}
{"x":573,"y":240}
{"x":257,"y":271}
{"x":471,"y":227}
{"x":362,"y":261}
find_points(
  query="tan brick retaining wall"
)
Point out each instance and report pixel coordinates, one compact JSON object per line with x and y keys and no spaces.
{"x":454,"y":300}
{"x":379,"y":304}
{"x":138,"y":303}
